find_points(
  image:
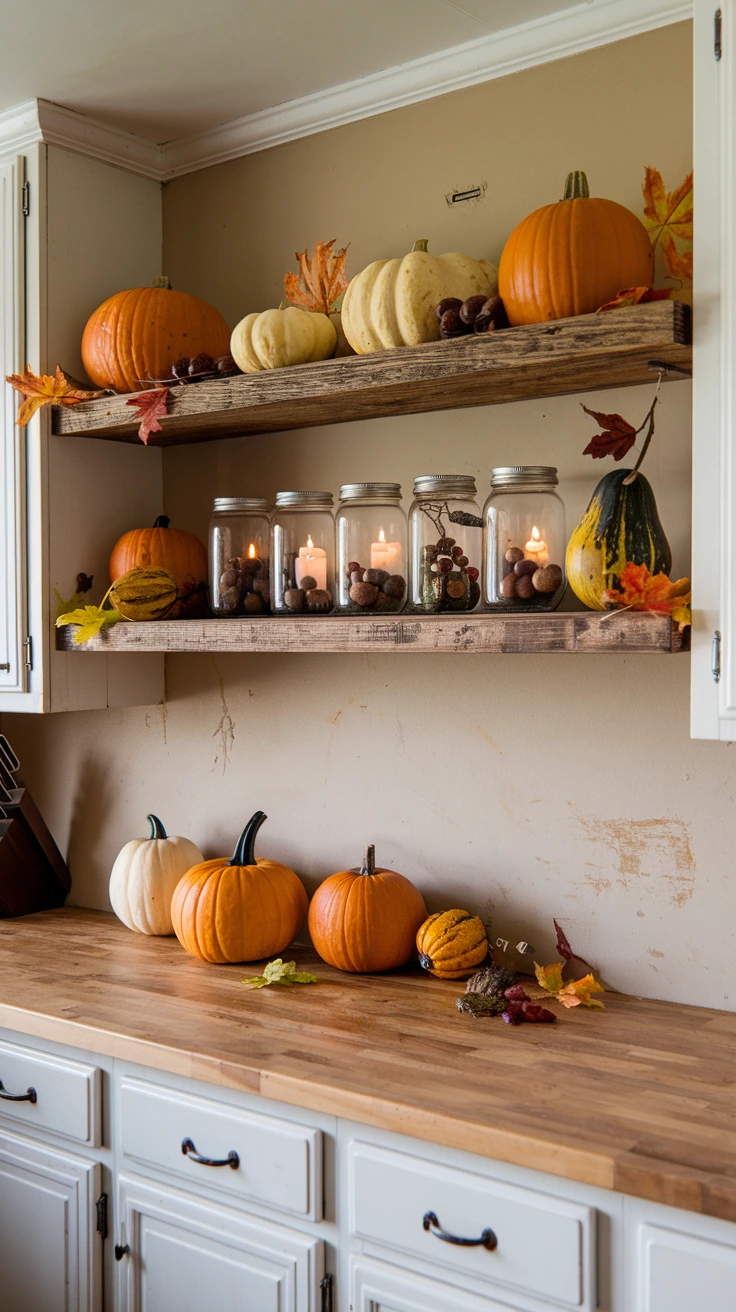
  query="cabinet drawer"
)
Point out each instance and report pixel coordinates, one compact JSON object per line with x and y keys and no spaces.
{"x":279,"y":1163}
{"x":66,"y":1094}
{"x":377,"y":1287}
{"x":544,"y":1248}
{"x":678,"y":1270}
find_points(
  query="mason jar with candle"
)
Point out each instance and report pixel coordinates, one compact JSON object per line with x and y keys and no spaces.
{"x":239,"y":544}
{"x":371,"y":535}
{"x":303,"y":554}
{"x":524,"y":548}
{"x":445,"y":544}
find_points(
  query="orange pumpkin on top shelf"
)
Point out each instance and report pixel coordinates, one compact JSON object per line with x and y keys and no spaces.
{"x":366,"y":919}
{"x":137,"y":335}
{"x":173,"y":549}
{"x":571,"y":257}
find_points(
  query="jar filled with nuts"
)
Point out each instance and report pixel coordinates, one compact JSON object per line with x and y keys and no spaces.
{"x":445,"y":544}
{"x":524,"y":549}
{"x":371,"y":548}
{"x":239,"y":545}
{"x":302,"y":554}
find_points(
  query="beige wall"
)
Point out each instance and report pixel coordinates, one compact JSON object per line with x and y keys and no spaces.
{"x":524,"y":787}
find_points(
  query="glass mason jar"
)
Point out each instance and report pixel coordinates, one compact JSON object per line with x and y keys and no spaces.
{"x":302,"y":553}
{"x":239,"y":542}
{"x":371,"y":548}
{"x":524,"y":551}
{"x":445,"y":544}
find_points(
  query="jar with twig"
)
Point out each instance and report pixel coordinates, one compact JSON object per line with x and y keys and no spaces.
{"x":445,"y":544}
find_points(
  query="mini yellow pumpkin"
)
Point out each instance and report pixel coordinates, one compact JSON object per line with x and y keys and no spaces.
{"x":275,"y":339}
{"x":452,"y":944}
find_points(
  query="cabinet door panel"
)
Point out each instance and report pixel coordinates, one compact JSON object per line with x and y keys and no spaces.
{"x":49,"y":1252}
{"x":12,"y":445}
{"x":680,"y":1273}
{"x":377,"y":1287}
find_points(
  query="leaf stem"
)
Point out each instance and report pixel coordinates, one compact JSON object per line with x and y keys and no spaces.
{"x":648,"y":419}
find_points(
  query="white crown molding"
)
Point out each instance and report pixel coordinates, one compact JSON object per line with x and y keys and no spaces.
{"x":568,"y":32}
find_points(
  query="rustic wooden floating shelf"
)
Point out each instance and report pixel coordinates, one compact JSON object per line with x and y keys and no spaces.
{"x":570,"y":355}
{"x":566,"y":631}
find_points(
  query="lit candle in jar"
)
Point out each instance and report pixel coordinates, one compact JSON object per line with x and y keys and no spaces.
{"x":536,"y":548}
{"x":252,"y":551}
{"x":386,"y":555}
{"x":311,"y":562}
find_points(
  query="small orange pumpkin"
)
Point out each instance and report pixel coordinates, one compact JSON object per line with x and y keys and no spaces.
{"x":571,"y":257}
{"x":138,"y":334}
{"x":366,"y":919}
{"x":162,"y":547}
{"x":238,"y":910}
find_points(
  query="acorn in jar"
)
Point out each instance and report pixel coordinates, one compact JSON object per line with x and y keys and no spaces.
{"x":524,"y":540}
{"x":371,"y":536}
{"x":445,"y":532}
{"x":239,"y":539}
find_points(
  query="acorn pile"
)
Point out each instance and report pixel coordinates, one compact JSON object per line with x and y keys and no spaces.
{"x":527,"y":580}
{"x":243,"y":587}
{"x":448,"y":580}
{"x":478,"y":314}
{"x":374,"y":589}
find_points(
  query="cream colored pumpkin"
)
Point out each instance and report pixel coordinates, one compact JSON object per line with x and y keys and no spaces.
{"x":144,"y":877}
{"x":275,"y":339}
{"x":392,"y":302}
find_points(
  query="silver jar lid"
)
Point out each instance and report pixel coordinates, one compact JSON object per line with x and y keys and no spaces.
{"x":240,"y":503}
{"x":449,"y":485}
{"x":524,"y":475}
{"x":305,"y":500}
{"x":374,"y":491}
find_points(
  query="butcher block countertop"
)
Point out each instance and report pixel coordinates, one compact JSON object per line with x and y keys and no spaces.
{"x":639,"y":1098}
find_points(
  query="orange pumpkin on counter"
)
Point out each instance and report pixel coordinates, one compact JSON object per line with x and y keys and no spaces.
{"x":571,"y":257}
{"x":138,"y":334}
{"x":366,"y":919}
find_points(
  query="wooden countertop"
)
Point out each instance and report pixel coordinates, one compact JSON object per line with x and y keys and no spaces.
{"x":639,"y":1098}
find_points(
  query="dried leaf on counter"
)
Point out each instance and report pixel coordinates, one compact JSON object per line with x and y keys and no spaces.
{"x":90,"y":620}
{"x":44,"y":389}
{"x":550,"y":977}
{"x":636,"y":296}
{"x":578,"y":993}
{"x":321,"y":279}
{"x":280,"y":972}
{"x":669,"y":218}
{"x":150,"y":407}
{"x":573,"y":963}
{"x":639,"y":590}
{"x":616,"y":440}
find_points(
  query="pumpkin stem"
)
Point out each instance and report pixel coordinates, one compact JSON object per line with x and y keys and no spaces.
{"x":369,"y":861}
{"x":162,"y":282}
{"x":162,"y":521}
{"x":244,"y":854}
{"x":576,"y":186}
{"x":157,"y":829}
{"x":421,"y":245}
{"x":425,"y":962}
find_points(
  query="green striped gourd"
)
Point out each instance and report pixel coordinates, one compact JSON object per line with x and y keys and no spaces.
{"x":620,"y":525}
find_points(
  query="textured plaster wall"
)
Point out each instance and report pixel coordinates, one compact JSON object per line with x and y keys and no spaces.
{"x":524,"y":787}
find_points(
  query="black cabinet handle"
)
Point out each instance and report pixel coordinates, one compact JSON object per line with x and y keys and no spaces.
{"x":30,"y":1095}
{"x":121,"y":1251}
{"x":190,"y":1151}
{"x":487,"y":1239}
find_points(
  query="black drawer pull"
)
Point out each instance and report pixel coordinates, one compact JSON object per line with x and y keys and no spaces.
{"x":121,"y":1251}
{"x":30,"y":1095}
{"x":487,"y":1240}
{"x":190,"y":1151}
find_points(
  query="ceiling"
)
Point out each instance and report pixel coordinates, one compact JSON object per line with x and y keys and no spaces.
{"x":165,"y":69}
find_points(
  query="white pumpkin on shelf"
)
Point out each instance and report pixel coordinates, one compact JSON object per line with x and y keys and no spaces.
{"x":144,"y":876}
{"x":275,"y":339}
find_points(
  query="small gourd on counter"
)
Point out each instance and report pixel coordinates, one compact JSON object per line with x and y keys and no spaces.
{"x":238,"y":910}
{"x":144,"y":876}
{"x":392,"y":303}
{"x":572,"y":256}
{"x":366,"y":919}
{"x":621,"y":524}
{"x":275,"y":339}
{"x":452,"y":944}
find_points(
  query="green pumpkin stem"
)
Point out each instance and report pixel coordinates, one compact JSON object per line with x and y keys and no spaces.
{"x":162,"y":282}
{"x":576,"y":186}
{"x":369,"y":861}
{"x":157,"y":829}
{"x":245,"y":854}
{"x":421,"y":245}
{"x":162,"y":521}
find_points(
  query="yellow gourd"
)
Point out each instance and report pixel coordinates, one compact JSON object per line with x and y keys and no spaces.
{"x":275,"y":339}
{"x":451,"y":944}
{"x":392,"y":302}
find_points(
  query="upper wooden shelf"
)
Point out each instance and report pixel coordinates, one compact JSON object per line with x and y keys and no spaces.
{"x":570,"y":355}
{"x":560,"y":631}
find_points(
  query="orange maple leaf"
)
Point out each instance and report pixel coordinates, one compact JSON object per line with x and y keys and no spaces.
{"x":576,"y":994}
{"x":639,"y":590}
{"x":321,"y":279}
{"x":636,"y":296}
{"x":45,"y":389}
{"x":669,"y":217}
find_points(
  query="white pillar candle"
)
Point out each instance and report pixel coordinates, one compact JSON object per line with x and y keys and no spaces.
{"x":536,"y":548}
{"x":311,"y":562}
{"x":386,"y":555}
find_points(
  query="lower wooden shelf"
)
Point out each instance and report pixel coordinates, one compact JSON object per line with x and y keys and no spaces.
{"x":561,"y":631}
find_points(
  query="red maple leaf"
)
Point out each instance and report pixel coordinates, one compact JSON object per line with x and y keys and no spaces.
{"x":149,"y":407}
{"x":617,"y":439}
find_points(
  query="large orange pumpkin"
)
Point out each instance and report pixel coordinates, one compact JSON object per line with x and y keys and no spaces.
{"x":238,"y":910}
{"x":169,"y":548}
{"x":366,"y":919}
{"x":571,"y":257}
{"x":137,"y":335}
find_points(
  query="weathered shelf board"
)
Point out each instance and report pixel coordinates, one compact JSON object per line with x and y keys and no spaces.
{"x":569,"y":355}
{"x":574,"y":631}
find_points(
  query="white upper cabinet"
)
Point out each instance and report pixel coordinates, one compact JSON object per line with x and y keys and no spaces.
{"x":12,"y":444}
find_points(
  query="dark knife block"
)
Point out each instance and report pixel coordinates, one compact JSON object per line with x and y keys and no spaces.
{"x":33,"y":873}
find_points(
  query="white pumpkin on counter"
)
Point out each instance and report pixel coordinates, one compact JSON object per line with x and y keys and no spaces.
{"x":144,"y":876}
{"x":392,"y":302}
{"x":275,"y":339}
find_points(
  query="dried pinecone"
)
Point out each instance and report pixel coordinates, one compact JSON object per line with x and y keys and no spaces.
{"x":480,"y":1004}
{"x":491,"y":980}
{"x":467,"y":521}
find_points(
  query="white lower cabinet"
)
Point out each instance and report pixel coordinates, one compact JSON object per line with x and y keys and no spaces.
{"x":178,"y":1254}
{"x":378,"y":1287}
{"x":50,"y":1252}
